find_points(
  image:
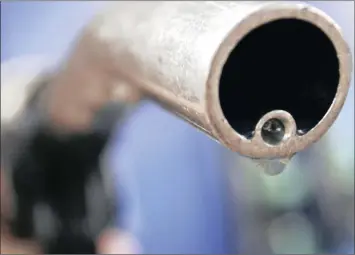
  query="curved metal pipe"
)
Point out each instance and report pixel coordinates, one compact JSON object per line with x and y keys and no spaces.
{"x":265,"y":79}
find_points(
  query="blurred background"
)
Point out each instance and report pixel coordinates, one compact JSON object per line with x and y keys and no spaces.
{"x":181,"y":192}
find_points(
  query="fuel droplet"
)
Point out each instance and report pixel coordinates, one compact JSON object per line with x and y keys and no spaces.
{"x":301,"y":132}
{"x":272,"y":166}
{"x":249,"y":135}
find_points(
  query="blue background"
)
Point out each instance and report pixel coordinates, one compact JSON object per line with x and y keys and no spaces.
{"x":170,"y":177}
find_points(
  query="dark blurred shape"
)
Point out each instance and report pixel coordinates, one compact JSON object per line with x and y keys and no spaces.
{"x":51,"y":179}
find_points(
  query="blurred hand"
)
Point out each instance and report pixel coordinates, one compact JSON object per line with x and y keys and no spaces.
{"x":71,"y":101}
{"x":75,"y":95}
{"x":111,"y":241}
{"x":81,"y":88}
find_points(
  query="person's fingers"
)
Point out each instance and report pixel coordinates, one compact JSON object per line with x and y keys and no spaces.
{"x":113,"y":241}
{"x":77,"y":92}
{"x":10,"y":244}
{"x":5,"y":196}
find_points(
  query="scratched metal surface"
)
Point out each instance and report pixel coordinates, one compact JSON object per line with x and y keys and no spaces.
{"x":167,"y":48}
{"x":174,"y":52}
{"x":178,"y":49}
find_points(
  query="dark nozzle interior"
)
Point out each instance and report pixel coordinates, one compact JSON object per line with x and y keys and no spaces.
{"x":287,"y":64}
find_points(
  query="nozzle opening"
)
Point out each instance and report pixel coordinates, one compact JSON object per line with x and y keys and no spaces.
{"x":273,"y":131}
{"x":287,"y":64}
